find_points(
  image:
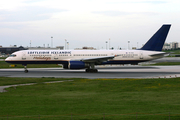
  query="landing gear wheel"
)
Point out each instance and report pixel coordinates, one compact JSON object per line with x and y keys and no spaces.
{"x":91,"y":70}
{"x":95,"y":70}
{"x":87,"y":70}
{"x":26,"y":71}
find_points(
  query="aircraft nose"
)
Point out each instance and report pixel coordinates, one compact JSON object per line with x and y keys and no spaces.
{"x":7,"y":59}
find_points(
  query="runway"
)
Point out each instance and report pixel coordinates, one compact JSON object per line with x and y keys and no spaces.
{"x":104,"y":72}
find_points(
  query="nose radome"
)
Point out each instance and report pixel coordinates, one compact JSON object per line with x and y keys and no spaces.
{"x":7,"y":59}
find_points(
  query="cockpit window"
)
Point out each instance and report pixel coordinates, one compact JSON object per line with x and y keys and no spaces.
{"x":12,"y":55}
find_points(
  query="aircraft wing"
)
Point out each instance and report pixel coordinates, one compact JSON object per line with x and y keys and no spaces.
{"x":97,"y":59}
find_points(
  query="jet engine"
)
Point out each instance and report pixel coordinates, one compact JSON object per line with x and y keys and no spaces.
{"x":75,"y":65}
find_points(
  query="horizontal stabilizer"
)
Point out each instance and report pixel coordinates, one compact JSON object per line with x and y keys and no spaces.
{"x":159,"y":54}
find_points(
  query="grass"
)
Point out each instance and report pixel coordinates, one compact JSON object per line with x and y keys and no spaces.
{"x":166,"y":63}
{"x":163,"y":64}
{"x":173,"y":51}
{"x":87,"y":99}
{"x":3,"y":57}
{"x":12,"y":81}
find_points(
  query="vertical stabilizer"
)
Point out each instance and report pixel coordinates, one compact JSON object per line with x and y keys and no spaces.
{"x":156,"y":42}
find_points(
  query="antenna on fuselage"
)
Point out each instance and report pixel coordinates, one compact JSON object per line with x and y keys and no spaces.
{"x":51,"y":41}
{"x":30,"y":43}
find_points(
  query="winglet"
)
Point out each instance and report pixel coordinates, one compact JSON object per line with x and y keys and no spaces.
{"x":156,"y":42}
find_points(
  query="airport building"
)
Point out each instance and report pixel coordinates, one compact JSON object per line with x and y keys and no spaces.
{"x":85,"y":48}
{"x":46,"y":48}
{"x":11,"y":49}
{"x":171,"y":46}
{"x":166,"y":46}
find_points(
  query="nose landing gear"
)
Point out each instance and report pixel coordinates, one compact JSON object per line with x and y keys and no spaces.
{"x":25,"y":69}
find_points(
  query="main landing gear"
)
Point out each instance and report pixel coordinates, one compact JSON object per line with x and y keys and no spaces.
{"x":25,"y":69}
{"x":91,"y":68}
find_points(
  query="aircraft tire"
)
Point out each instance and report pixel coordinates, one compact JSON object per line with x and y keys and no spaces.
{"x":91,"y":70}
{"x":95,"y":70}
{"x":26,"y":71}
{"x":87,"y":70}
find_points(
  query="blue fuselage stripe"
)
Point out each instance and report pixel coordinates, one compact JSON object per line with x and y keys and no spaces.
{"x":66,"y":62}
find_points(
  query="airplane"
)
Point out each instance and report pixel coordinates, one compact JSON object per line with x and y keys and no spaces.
{"x":88,"y":59}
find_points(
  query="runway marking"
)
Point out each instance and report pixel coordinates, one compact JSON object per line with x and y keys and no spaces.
{"x":3,"y":88}
{"x":169,"y":76}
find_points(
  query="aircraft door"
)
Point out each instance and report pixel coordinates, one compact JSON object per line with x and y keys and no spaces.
{"x":141,"y":55}
{"x":24,"y":56}
{"x":56,"y":56}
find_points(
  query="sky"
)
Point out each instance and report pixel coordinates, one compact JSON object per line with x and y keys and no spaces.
{"x":86,"y":22}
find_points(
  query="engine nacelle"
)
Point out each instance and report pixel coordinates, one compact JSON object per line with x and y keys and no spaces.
{"x":75,"y":65}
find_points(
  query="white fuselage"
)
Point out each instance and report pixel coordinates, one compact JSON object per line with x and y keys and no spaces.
{"x":61,"y":56}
